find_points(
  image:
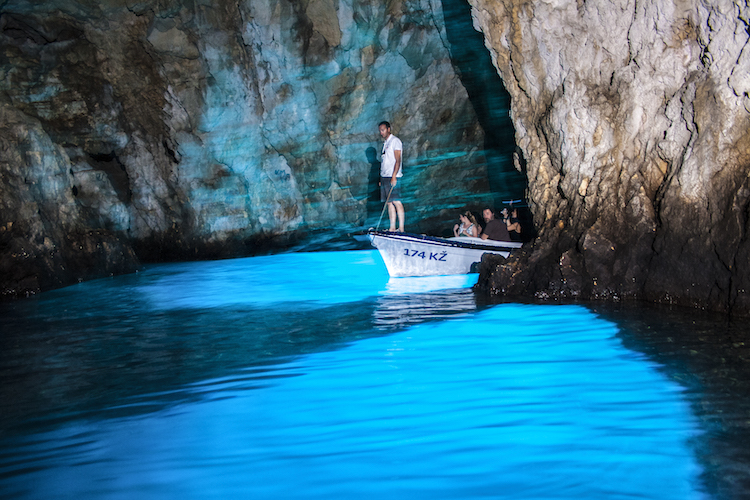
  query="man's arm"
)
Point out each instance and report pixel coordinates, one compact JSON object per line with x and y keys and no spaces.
{"x":397,"y":166}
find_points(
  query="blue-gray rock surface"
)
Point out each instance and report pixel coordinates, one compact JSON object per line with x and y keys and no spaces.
{"x":190,"y":130}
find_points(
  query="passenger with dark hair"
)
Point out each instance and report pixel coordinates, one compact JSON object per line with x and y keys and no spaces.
{"x":513,"y":224}
{"x":495,"y":229}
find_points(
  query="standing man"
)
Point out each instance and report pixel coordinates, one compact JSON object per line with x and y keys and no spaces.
{"x":494,"y":230}
{"x":390,"y":173}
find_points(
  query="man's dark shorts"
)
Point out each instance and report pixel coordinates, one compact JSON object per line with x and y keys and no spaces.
{"x":385,"y":188}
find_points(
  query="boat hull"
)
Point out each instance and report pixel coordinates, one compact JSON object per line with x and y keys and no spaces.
{"x":408,"y":254}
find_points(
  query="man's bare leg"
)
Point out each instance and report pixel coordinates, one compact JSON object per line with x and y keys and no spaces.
{"x":392,"y":215}
{"x":401,"y":216}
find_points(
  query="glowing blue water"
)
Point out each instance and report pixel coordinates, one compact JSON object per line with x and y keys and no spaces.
{"x":315,"y":376}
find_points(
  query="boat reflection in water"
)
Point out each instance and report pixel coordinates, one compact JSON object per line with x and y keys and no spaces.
{"x":410,"y":301}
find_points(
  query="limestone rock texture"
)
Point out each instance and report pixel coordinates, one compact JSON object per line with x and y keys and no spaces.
{"x":632,"y":118}
{"x":144,"y":130}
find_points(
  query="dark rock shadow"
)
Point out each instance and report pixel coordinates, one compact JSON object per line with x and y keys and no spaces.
{"x":490,"y":99}
{"x":709,"y":355}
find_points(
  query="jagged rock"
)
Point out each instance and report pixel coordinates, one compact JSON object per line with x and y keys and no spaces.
{"x":49,"y":241}
{"x":633,"y":122}
{"x":210,"y":129}
{"x":185,"y":130}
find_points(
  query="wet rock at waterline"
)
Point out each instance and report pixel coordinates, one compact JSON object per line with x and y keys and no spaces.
{"x":633,"y":120}
{"x":137,"y":131}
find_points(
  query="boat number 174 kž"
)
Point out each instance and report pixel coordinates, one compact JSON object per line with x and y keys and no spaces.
{"x":425,"y":255}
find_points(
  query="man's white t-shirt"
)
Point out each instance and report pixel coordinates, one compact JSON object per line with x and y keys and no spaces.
{"x":388,"y":159}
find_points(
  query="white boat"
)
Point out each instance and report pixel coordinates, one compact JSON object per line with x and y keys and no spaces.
{"x":407,"y":254}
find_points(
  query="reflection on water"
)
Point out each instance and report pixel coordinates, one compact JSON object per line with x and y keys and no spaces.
{"x":399,"y":311}
{"x":317,"y":376}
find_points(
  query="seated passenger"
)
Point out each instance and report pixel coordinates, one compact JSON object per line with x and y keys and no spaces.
{"x":514,"y":225}
{"x":468,"y":227}
{"x":495,"y":229}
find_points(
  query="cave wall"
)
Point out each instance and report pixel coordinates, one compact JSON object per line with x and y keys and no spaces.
{"x":633,"y":122}
{"x":149,"y":130}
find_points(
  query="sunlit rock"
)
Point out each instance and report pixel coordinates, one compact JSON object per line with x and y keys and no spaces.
{"x":633,"y":121}
{"x":182,"y":130}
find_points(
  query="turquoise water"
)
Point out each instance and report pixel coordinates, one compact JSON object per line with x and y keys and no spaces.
{"x":314,"y":375}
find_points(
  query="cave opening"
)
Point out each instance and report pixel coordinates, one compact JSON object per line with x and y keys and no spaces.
{"x":491,"y":102}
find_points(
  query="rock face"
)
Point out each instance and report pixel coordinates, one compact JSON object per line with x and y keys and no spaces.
{"x":136,"y":131}
{"x":149,"y":130}
{"x":633,"y":122}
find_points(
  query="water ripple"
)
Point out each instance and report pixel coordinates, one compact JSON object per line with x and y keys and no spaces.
{"x":405,"y":389}
{"x":505,"y":402}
